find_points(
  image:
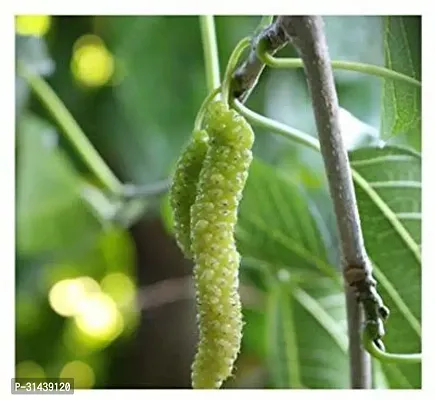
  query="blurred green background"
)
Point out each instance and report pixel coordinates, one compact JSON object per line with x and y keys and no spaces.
{"x":102,"y":292}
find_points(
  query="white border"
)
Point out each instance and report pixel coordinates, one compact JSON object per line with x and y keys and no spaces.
{"x":221,"y":7}
{"x":126,"y":7}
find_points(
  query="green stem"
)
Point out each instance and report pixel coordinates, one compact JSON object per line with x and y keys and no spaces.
{"x":211,"y":58}
{"x":277,"y":127}
{"x":203,"y":108}
{"x":265,"y":21}
{"x":388,"y":357}
{"x":72,"y":131}
{"x":368,"y":69}
{"x":232,"y":64}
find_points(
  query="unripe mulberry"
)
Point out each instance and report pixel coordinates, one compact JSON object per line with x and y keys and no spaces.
{"x":183,"y":189}
{"x":213,"y":220}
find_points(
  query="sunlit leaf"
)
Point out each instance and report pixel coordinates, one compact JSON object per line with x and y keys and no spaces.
{"x":388,"y":188}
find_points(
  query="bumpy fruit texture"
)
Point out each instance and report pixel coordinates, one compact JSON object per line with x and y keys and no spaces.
{"x":213,"y":220}
{"x":183,"y":189}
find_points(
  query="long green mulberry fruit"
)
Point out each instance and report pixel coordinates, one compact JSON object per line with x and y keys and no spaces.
{"x":183,"y":189}
{"x":213,"y":220}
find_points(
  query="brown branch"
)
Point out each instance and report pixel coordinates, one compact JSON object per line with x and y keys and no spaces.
{"x":307,"y":35}
{"x":273,"y":38}
{"x":178,"y":289}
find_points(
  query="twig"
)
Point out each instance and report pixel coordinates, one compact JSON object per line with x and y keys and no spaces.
{"x":82,"y":144}
{"x":307,"y":34}
{"x":71,"y":129}
{"x":368,"y":69}
{"x":359,"y":360}
{"x":177,"y":289}
{"x":273,"y":38}
{"x":158,"y":188}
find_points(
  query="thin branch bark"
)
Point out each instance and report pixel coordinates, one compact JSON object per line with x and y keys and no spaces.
{"x":132,"y":191}
{"x":359,"y":359}
{"x":173,"y":290}
{"x":246,"y":76}
{"x":307,"y":34}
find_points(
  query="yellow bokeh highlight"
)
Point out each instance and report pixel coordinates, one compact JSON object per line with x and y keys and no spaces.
{"x":100,"y":318}
{"x":29,"y":369}
{"x":96,"y":315}
{"x":120,"y":287}
{"x":82,"y":373}
{"x":92,"y":63}
{"x":32,"y":25}
{"x":68,"y":297}
{"x":88,"y":284}
{"x":79,"y":343}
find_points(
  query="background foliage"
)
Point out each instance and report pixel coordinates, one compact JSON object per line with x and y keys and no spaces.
{"x":103,"y":293}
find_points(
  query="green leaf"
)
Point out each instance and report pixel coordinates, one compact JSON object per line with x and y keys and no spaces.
{"x":280,"y":232}
{"x":388,"y":189}
{"x":51,"y":215}
{"x":282,"y":348}
{"x":254,"y":331}
{"x":401,"y":101}
{"x":162,"y":88}
{"x":320,"y":318}
{"x":306,"y":335}
{"x":279,"y":225}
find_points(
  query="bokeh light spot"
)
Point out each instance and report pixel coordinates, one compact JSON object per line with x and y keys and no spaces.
{"x":92,"y":63}
{"x":88,"y":284}
{"x":68,"y":297}
{"x":65,"y":297}
{"x":29,"y":369}
{"x":34,"y":25}
{"x":100,"y":317}
{"x":82,"y":373}
{"x":119,"y":287}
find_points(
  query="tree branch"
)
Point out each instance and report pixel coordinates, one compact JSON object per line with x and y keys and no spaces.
{"x":359,"y":359}
{"x":178,"y":289}
{"x":132,"y":191}
{"x":273,"y":38}
{"x":307,"y":34}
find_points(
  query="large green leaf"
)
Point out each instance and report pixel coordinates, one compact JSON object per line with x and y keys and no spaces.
{"x":388,"y":188}
{"x":278,"y":224}
{"x":51,"y":215}
{"x":306,"y":335}
{"x":280,"y":232}
{"x":402,"y":101}
{"x":282,"y":348}
{"x":162,"y":88}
